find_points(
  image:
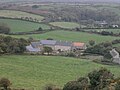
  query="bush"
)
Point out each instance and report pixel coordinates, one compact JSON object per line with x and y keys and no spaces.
{"x":4,"y":29}
{"x":51,"y":87}
{"x":5,"y":83}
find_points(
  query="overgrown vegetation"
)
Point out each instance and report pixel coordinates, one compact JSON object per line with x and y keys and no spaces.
{"x":12,"y":45}
{"x":4,"y":29}
{"x":96,"y":80}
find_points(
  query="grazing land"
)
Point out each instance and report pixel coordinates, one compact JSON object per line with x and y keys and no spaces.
{"x":19,"y":14}
{"x":68,"y":25}
{"x":37,"y":71}
{"x":22,"y":26}
{"x":71,"y":36}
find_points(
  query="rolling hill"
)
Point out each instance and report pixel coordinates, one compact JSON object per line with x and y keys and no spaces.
{"x":34,"y":72}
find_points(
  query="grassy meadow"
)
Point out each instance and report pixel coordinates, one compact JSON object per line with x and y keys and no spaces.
{"x":68,"y":25}
{"x":19,"y":14}
{"x":22,"y":26}
{"x":37,"y":71}
{"x":70,"y":36}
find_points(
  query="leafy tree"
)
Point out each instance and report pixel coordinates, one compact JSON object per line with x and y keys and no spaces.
{"x":96,"y":80}
{"x":92,"y":42}
{"x":12,"y":45}
{"x":80,"y":84}
{"x":99,"y":78}
{"x":35,"y":6}
{"x":48,"y":50}
{"x":40,"y":29}
{"x":101,"y":49}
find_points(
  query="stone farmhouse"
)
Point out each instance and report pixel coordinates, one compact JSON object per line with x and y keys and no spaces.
{"x":55,"y":45}
{"x":115,"y":55}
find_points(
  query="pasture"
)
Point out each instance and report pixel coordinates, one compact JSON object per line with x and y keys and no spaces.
{"x":26,"y":71}
{"x":70,"y":36}
{"x":68,"y":25}
{"x":19,"y":14}
{"x":22,"y":26}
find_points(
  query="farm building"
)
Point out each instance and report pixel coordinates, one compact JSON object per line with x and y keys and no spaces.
{"x":31,"y":49}
{"x":63,"y":46}
{"x":48,"y":43}
{"x":115,"y":55}
{"x":55,"y":45}
{"x":78,"y":46}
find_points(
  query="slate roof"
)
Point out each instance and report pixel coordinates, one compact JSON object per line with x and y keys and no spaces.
{"x":114,"y":53}
{"x":64,"y":43}
{"x":35,"y":44}
{"x":31,"y":49}
{"x":101,"y":22}
{"x":48,"y":42}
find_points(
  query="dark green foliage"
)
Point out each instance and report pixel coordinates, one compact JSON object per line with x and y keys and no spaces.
{"x":47,"y":50}
{"x":40,"y":29}
{"x":35,"y":6}
{"x":73,"y":85}
{"x":30,"y":39}
{"x":12,"y":45}
{"x":84,"y":15}
{"x":5,"y":83}
{"x":117,"y":86}
{"x":80,"y":84}
{"x":99,"y":78}
{"x":71,"y":54}
{"x":96,"y":80}
{"x":50,"y":39}
{"x":106,"y":33}
{"x":92,"y":42}
{"x":51,"y":87}
{"x":101,"y":49}
{"x":4,"y":29}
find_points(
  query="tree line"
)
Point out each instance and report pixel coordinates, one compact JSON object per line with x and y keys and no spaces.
{"x":9,"y":45}
{"x":83,"y":15}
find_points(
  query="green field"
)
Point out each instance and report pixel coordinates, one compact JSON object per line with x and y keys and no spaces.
{"x":68,"y":25}
{"x":19,"y":14}
{"x":22,"y":26}
{"x":37,"y":71}
{"x":108,"y":30}
{"x":71,"y":36}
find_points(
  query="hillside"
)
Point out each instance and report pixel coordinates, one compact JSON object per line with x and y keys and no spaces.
{"x":70,"y":36}
{"x":23,"y":26}
{"x":46,"y":70}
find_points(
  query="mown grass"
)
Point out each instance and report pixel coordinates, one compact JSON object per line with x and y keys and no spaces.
{"x":68,"y":25}
{"x":22,"y":26}
{"x":37,"y":71}
{"x":19,"y":14}
{"x":70,"y":36}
